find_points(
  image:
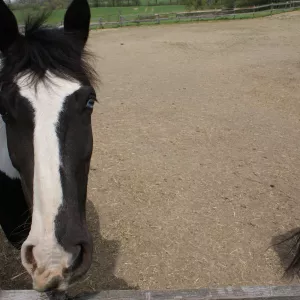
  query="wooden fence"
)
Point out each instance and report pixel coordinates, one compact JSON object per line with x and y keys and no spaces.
{"x":125,"y":20}
{"x":232,"y":293}
{"x":245,"y":12}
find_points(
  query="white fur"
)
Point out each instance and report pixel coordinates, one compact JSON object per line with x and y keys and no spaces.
{"x":47,"y":102}
{"x":5,"y":163}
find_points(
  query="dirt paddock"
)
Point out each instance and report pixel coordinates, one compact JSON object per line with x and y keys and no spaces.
{"x":196,"y":162}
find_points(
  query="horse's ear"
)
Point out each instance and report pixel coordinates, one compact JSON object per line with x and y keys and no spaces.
{"x":77,"y":19}
{"x":9,"y":31}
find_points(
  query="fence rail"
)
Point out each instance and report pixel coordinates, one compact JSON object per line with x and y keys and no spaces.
{"x":125,"y":20}
{"x":228,"y":293}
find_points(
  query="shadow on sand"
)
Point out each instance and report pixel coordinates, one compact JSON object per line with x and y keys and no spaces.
{"x":100,"y":277}
{"x":285,"y":247}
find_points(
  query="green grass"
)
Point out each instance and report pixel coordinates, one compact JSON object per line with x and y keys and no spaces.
{"x":56,"y":17}
{"x":109,"y":13}
{"x":112,"y":13}
{"x":258,"y":14}
{"x":236,"y":17}
{"x":159,"y":2}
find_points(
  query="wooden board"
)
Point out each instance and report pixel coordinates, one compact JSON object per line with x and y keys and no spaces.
{"x":234,"y":293}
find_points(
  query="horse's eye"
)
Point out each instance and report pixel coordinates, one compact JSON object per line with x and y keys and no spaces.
{"x":90,"y":103}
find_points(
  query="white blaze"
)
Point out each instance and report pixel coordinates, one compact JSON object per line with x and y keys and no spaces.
{"x":47,"y":102}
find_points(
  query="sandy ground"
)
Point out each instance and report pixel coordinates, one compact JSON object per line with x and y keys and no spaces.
{"x":196,"y":162}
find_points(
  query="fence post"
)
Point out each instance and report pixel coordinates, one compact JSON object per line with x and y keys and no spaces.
{"x":253,"y":11}
{"x":119,"y":15}
{"x":234,"y":13}
{"x":121,"y":19}
{"x":271,"y":8}
{"x":157,"y":19}
{"x":100,"y":23}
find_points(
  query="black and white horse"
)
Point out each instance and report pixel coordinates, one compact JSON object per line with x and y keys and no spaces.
{"x":46,"y":142}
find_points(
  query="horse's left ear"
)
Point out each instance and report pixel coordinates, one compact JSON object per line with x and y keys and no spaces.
{"x":9,"y":31}
{"x":77,"y":19}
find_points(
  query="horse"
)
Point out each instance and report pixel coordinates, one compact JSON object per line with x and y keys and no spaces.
{"x":47,"y":97}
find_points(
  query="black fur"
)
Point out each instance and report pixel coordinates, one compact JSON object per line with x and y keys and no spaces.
{"x":14,"y":214}
{"x":77,"y":19}
{"x":71,"y":228}
{"x":8,"y":28}
{"x":43,"y":48}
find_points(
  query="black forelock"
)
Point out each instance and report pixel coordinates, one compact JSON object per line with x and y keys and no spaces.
{"x":44,"y":48}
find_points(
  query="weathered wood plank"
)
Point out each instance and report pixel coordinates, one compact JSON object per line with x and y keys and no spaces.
{"x":21,"y":295}
{"x":234,"y":293}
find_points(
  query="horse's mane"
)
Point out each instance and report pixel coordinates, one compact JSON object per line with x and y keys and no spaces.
{"x":44,"y":48}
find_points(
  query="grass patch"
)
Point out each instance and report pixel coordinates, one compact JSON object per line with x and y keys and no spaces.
{"x":195,"y":20}
{"x":110,"y":14}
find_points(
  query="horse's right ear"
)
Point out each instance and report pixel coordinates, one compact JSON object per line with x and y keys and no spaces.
{"x":77,"y":19}
{"x":9,"y":31}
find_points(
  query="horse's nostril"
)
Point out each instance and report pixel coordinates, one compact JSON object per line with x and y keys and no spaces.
{"x":82,"y":259}
{"x":29,"y":257}
{"x":53,"y":284}
{"x":46,"y":283}
{"x":77,"y":257}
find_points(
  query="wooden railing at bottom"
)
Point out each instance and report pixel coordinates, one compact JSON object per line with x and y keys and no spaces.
{"x":234,"y":293}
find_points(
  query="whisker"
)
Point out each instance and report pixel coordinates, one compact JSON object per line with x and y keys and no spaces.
{"x":17,"y":276}
{"x":24,"y":227}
